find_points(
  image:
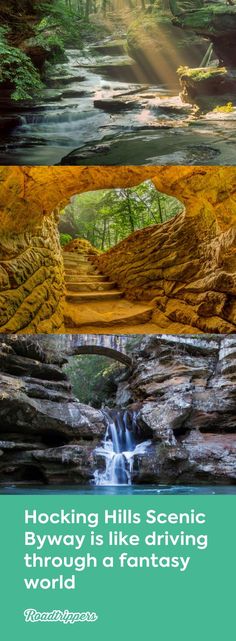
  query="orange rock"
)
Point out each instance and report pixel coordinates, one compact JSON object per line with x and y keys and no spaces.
{"x":191,"y":254}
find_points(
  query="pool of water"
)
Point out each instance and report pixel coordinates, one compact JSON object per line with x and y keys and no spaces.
{"x":119,"y":489}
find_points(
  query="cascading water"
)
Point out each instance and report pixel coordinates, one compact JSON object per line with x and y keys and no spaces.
{"x":121,"y":444}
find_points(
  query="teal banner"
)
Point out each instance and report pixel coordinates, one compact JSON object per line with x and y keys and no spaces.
{"x":118,"y":567}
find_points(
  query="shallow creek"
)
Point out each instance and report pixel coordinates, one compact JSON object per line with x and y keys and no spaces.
{"x":99,"y":108}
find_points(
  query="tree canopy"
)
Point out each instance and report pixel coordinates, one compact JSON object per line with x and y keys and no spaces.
{"x":105,"y":217}
{"x":92,"y":378}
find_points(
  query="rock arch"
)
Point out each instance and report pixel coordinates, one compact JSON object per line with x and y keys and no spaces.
{"x":110,"y":352}
{"x":31,"y":270}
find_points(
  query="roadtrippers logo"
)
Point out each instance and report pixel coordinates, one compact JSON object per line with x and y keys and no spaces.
{"x":59,"y":616}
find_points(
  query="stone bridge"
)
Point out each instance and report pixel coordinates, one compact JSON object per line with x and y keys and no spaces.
{"x":114,"y":347}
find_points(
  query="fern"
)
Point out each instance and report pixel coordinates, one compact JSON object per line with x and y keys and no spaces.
{"x":17,"y":69}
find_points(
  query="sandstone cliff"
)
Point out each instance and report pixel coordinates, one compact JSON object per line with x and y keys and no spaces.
{"x":47,"y":436}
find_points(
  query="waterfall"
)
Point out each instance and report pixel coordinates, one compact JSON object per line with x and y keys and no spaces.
{"x":120,"y":445}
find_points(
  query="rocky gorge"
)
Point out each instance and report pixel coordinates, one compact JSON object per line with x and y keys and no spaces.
{"x":181,"y":391}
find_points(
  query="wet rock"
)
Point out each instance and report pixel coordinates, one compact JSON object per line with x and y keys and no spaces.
{"x":73,"y":93}
{"x":84,"y":153}
{"x":59,"y":81}
{"x":111,"y":47}
{"x":186,"y":388}
{"x":125,"y":71}
{"x":113,"y":104}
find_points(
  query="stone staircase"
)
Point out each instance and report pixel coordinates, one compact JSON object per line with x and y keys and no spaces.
{"x":93,"y":301}
{"x":84,"y":283}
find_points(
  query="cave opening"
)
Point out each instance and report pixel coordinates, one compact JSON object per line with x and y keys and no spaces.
{"x":105,"y":217}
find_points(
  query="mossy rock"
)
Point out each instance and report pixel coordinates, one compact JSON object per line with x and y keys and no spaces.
{"x":207,"y":87}
{"x":215,"y":22}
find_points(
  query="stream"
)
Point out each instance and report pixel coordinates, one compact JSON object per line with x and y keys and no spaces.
{"x":100,"y":108}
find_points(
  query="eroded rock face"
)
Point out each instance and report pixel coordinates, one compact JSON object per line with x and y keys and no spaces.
{"x":216,"y":22}
{"x":187,"y":264}
{"x":32,"y":280}
{"x":209,"y":87}
{"x":46,"y":434}
{"x":186,"y":391}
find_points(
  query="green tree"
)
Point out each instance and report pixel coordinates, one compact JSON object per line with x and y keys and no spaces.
{"x":105,"y":217}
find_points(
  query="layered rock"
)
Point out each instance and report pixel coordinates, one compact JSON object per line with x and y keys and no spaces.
{"x":47,"y":436}
{"x":188,"y":265}
{"x":209,"y":87}
{"x":32,"y":280}
{"x":216,"y":21}
{"x":182,"y":390}
{"x":186,"y":394}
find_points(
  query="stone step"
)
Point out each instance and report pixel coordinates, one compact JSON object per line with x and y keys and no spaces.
{"x":83,"y":286}
{"x":91,"y":278}
{"x":76,"y":255}
{"x":78,"y":270}
{"x":82,"y":297}
{"x":76,"y":262}
{"x":100,"y":314}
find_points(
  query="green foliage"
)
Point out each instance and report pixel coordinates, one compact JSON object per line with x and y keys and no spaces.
{"x":64,"y":239}
{"x":203,"y":73}
{"x":92,"y":378}
{"x":65,"y":19}
{"x":50,"y":41}
{"x":228,"y":108}
{"x":106,"y":217}
{"x":17,"y":69}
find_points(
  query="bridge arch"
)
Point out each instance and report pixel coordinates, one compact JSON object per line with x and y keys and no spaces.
{"x":102,"y":351}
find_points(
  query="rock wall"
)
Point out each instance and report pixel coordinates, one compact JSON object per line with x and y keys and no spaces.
{"x":187,"y":264}
{"x":32,"y":280}
{"x":217,"y":23}
{"x":47,"y":436}
{"x":185,"y":387}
